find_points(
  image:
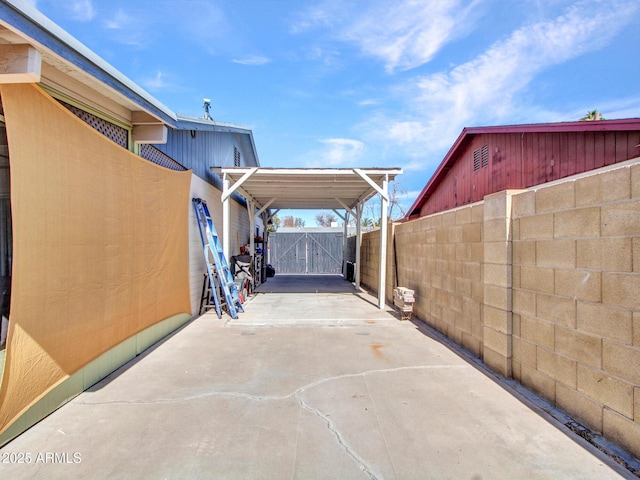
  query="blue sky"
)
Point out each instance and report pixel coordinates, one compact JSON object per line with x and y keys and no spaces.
{"x":369,"y":83}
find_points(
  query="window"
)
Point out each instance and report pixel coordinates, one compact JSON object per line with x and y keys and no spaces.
{"x":236,"y":157}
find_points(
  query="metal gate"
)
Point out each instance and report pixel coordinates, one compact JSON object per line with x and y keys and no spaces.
{"x":306,"y":252}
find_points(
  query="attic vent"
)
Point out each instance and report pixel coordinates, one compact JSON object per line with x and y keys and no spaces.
{"x":153,"y":154}
{"x":480,"y":158}
{"x":236,"y":157}
{"x":476,"y":160}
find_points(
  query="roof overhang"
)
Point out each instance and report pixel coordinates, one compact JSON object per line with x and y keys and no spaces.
{"x":306,"y":188}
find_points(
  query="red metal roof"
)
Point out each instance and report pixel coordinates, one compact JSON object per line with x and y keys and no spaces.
{"x":450,"y":158}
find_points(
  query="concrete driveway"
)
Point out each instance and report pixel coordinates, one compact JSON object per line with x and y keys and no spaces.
{"x":303,"y":385}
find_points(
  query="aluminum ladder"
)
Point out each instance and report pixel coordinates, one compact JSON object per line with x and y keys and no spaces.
{"x":212,"y":248}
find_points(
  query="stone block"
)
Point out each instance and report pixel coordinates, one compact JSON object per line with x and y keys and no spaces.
{"x":463,"y":215}
{"x":621,"y":219}
{"x":579,"y":284}
{"x":610,"y":254}
{"x":524,"y":252}
{"x":606,"y":390}
{"x":603,"y":187}
{"x":537,"y":331}
{"x":556,"y":253}
{"x":495,"y":206}
{"x":477,"y":212}
{"x":497,"y":319}
{"x":555,"y":197}
{"x":498,"y":297}
{"x":635,"y":180}
{"x":497,"y":341}
{"x":578,"y":223}
{"x":537,"y":279}
{"x":538,"y":382}
{"x":523,"y":204}
{"x":621,"y":289}
{"x":605,"y":321}
{"x":497,"y":252}
{"x":622,"y":361}
{"x":472,"y":232}
{"x":536,"y":227}
{"x":556,"y":309}
{"x":556,"y":366}
{"x":579,"y":406}
{"x":496,"y":361}
{"x":497,"y":274}
{"x":585,"y":349}
{"x":622,"y":431}
{"x":524,"y":302}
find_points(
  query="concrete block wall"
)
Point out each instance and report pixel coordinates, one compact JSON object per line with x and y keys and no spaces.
{"x":576,"y":298}
{"x":542,"y":284}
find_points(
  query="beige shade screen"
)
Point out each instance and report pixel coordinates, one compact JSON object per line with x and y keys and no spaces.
{"x":100,"y":246}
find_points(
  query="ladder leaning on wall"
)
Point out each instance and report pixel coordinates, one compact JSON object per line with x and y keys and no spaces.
{"x":212,"y":250}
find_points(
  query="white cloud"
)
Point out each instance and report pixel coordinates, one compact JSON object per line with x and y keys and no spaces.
{"x":486,"y":90}
{"x":81,"y":10}
{"x":157,"y":82}
{"x":252,"y":60}
{"x":403,"y":34}
{"x":336,"y":152}
{"x":120,"y":21}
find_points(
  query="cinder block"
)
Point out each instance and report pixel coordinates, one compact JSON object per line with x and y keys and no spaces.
{"x":603,"y":187}
{"x":622,"y":431}
{"x":536,"y":227}
{"x":497,"y":341}
{"x":556,"y":253}
{"x":606,"y":390}
{"x":499,"y":297}
{"x":636,"y":404}
{"x":621,"y":289}
{"x":497,"y":252}
{"x":515,"y":321}
{"x":472,"y":232}
{"x":636,"y":329}
{"x":586,"y":349}
{"x":611,"y":254}
{"x":556,"y":366}
{"x":578,"y":223}
{"x":497,"y":319}
{"x":621,"y":219}
{"x":579,"y":284}
{"x":528,"y":354}
{"x":472,"y":271}
{"x":523,"y":204}
{"x":622,"y":361}
{"x":495,"y":206}
{"x":579,"y":406}
{"x":497,"y":362}
{"x":463,"y":215}
{"x":555,"y":197}
{"x":524,"y":302}
{"x":636,"y":254}
{"x":538,"y":382}
{"x":555,"y":309}
{"x":537,"y":331}
{"x":524,"y":252}
{"x":477,"y":213}
{"x":537,"y":279}
{"x":635,"y":180}
{"x":496,"y":230}
{"x":497,"y":274}
{"x":606,"y":321}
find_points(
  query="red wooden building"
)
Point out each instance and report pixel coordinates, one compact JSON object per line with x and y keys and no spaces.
{"x":485,"y":160}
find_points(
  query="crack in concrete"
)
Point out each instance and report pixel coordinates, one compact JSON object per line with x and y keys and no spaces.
{"x":297,"y":394}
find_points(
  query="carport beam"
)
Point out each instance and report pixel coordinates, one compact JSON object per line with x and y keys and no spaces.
{"x":382,"y":281}
{"x":226,"y":215}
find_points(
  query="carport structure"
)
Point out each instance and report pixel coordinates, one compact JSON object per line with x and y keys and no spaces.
{"x":343,"y":190}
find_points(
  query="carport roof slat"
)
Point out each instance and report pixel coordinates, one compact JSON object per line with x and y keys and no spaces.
{"x":307,"y":188}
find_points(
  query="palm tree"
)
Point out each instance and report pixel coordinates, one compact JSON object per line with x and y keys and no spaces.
{"x":591,"y":116}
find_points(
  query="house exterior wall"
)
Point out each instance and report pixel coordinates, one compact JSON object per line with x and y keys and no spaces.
{"x":522,"y":160}
{"x":541,"y":284}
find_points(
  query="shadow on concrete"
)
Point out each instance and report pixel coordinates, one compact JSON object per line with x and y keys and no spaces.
{"x":284,"y":283}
